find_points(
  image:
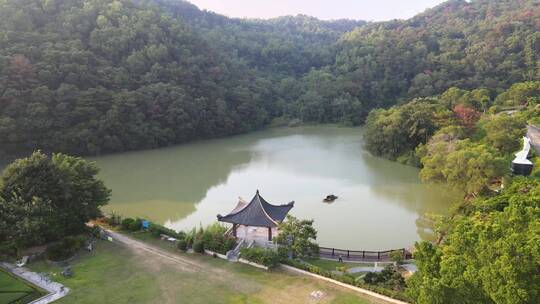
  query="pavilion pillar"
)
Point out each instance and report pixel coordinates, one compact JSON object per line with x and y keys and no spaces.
{"x":234,"y":228}
{"x":269,"y":233}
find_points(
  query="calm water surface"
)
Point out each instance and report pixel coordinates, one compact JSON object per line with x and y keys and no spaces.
{"x":379,"y":206}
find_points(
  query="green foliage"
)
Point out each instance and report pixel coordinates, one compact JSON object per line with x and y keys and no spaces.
{"x":127,"y":223}
{"x":144,"y":74}
{"x":463,"y":44}
{"x":396,"y":256}
{"x":182,"y":245}
{"x":198,"y":246}
{"x":519,"y":94}
{"x":214,"y":239}
{"x":505,"y":132}
{"x":536,"y":168}
{"x":131,"y":224}
{"x":297,"y":236}
{"x":490,"y":254}
{"x":398,"y":130}
{"x":65,"y":249}
{"x":48,"y":198}
{"x":389,"y":277}
{"x":466,"y":166}
{"x":267,"y":257}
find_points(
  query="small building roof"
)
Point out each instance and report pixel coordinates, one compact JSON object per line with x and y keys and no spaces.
{"x":258,"y":213}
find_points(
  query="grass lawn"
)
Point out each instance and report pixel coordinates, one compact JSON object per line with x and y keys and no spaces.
{"x":113,"y":273}
{"x":15,"y":290}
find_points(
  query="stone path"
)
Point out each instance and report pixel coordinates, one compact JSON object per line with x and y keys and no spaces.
{"x":56,"y":290}
{"x":365,"y":269}
{"x":378,"y":268}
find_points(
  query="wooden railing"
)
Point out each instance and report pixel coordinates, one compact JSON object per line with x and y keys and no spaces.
{"x":360,"y":255}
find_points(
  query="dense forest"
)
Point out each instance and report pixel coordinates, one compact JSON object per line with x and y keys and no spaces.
{"x":95,"y":76}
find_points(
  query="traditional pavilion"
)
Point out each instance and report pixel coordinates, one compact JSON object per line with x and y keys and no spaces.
{"x":253,"y":220}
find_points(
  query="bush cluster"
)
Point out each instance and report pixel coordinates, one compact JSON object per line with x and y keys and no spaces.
{"x":212,"y":237}
{"x":388,"y":278}
{"x":66,"y":248}
{"x":182,"y":245}
{"x":198,"y":246}
{"x":9,"y":249}
{"x":267,"y":257}
{"x":131,"y":224}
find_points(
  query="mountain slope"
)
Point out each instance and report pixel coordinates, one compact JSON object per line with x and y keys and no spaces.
{"x":467,"y":44}
{"x":94,"y":76}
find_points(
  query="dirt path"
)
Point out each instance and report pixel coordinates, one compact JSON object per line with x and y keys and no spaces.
{"x":151,"y":252}
{"x":140,"y":246}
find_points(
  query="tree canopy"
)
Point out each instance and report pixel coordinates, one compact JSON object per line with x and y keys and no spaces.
{"x":45,"y":198}
{"x":297,"y":236}
{"x":491,"y":254}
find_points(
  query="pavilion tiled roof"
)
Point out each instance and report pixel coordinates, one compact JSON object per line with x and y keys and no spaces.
{"x":258,"y":213}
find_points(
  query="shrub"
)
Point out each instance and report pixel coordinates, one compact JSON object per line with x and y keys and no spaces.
{"x":132,"y":224}
{"x":136,"y":225}
{"x":8,"y":249}
{"x":215,"y":240}
{"x":396,"y":256}
{"x":267,"y":257}
{"x":65,"y":249}
{"x":389,"y":278}
{"x":340,"y":269}
{"x":190,"y":239}
{"x":127,"y":222}
{"x":198,"y":246}
{"x":182,"y":245}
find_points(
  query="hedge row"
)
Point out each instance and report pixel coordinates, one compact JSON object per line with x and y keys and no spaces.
{"x":212,"y":237}
{"x":267,"y":257}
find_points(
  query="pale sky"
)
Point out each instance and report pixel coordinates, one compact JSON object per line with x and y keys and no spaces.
{"x":370,"y":10}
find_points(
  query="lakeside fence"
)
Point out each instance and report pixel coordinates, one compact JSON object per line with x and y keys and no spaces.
{"x":360,"y":255}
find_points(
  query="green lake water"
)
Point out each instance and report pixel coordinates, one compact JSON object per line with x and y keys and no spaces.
{"x":379,"y":207}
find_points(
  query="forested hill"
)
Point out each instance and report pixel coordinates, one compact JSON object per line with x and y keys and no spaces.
{"x":288,"y":46}
{"x":97,"y":76}
{"x":466,"y":44}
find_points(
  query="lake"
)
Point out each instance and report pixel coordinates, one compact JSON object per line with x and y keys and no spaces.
{"x":380,"y":204}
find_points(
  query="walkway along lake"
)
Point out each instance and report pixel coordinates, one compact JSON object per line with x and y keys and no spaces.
{"x":379,"y":206}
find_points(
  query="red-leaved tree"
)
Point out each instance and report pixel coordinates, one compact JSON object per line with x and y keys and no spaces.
{"x":467,"y":116}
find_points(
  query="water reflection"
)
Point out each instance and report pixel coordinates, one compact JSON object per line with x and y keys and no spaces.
{"x":184,"y":186}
